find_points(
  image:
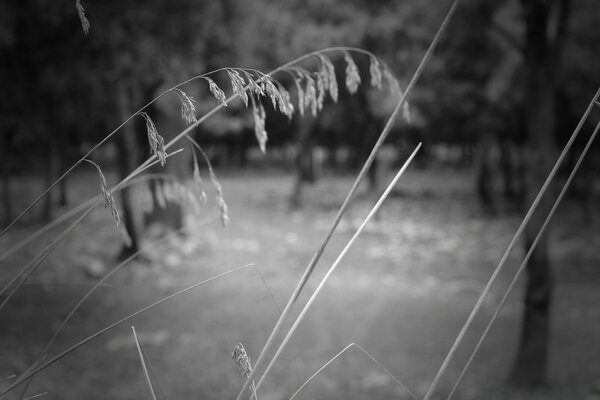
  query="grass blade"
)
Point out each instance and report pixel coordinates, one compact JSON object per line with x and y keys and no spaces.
{"x":513,"y":241}
{"x":331,"y":360}
{"x":37,"y":261}
{"x":139,"y":348}
{"x":527,"y":257}
{"x":334,"y":266}
{"x":360,"y":177}
{"x":71,"y":349}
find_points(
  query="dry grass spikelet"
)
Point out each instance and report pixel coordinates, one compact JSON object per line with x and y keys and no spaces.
{"x":157,"y":143}
{"x":352,"y":74}
{"x":85,"y":23}
{"x":221,"y":205}
{"x":241,"y":359}
{"x":321,"y":87}
{"x":273,"y":93}
{"x":238,"y":84}
{"x":253,"y":85}
{"x":188,"y":109}
{"x":107,"y":197}
{"x":198,"y":179}
{"x":375,"y":72}
{"x":328,"y":70}
{"x":216,"y":91}
{"x":259,"y":116}
{"x":310,"y":96}
{"x":286,"y":106}
{"x":298,"y":83}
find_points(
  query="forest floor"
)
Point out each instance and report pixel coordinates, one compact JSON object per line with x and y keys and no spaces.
{"x":402,"y":293}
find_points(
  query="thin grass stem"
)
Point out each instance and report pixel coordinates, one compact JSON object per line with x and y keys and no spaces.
{"x":102,"y":331}
{"x":353,"y":345}
{"x":360,"y":177}
{"x":72,"y":212}
{"x":100,"y":283}
{"x":513,"y":241}
{"x":335,"y":265}
{"x":37,"y":261}
{"x":146,"y":374}
{"x":526,"y":259}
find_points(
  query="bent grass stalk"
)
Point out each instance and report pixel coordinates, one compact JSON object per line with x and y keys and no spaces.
{"x":513,"y":241}
{"x":353,"y":346}
{"x":72,"y":212}
{"x":335,"y":265}
{"x":222,"y":103}
{"x":71,"y":349}
{"x":37,"y":261}
{"x":527,"y":257}
{"x":360,"y":177}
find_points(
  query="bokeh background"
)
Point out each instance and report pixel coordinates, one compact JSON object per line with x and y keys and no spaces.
{"x":500,"y":97}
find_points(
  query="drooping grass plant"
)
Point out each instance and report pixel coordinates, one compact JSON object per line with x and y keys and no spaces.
{"x":254,"y":87}
{"x":312,"y":88}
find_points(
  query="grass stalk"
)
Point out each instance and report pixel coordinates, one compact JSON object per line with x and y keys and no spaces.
{"x":335,"y":264}
{"x":37,"y":261}
{"x":102,"y":331}
{"x":526,"y":259}
{"x":100,"y":283}
{"x":360,"y":177}
{"x":144,"y":368}
{"x":512,"y":243}
{"x":331,"y":360}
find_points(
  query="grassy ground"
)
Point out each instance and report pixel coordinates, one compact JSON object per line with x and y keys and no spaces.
{"x":402,"y":293}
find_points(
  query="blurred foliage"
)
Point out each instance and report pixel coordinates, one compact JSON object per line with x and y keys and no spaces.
{"x":56,"y":78}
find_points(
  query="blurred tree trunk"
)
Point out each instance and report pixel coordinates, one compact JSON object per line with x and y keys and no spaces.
{"x":127,"y":162}
{"x":545,"y":30}
{"x":486,"y":173}
{"x":305,"y":171}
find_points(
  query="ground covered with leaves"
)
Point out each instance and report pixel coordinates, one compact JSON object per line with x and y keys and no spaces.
{"x":402,"y":293}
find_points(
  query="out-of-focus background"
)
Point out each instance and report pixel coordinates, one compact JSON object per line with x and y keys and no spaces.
{"x":496,"y":103}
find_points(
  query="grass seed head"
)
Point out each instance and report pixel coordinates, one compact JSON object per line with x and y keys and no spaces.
{"x":259,"y":116}
{"x":107,"y":197}
{"x":216,"y":91}
{"x":241,"y":359}
{"x":352,"y":75}
{"x":301,"y":102}
{"x":198,"y":180}
{"x":188,"y":110}
{"x":238,"y":84}
{"x":310,"y":96}
{"x":85,"y":23}
{"x":329,"y":70}
{"x":375,"y":72}
{"x":157,"y":143}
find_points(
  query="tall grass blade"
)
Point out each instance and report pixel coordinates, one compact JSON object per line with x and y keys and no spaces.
{"x":513,"y":241}
{"x":144,"y":368}
{"x":334,"y":266}
{"x":71,"y":349}
{"x":361,"y":175}
{"x":527,"y":257}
